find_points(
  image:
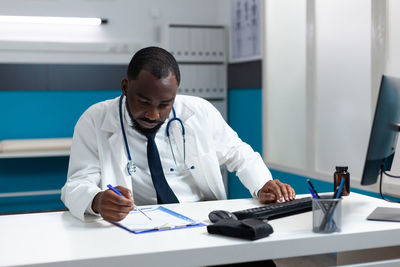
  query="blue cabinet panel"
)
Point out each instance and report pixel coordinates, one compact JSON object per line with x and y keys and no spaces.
{"x":30,"y":204}
{"x":45,"y":114}
{"x":29,"y":175}
{"x":245,"y":117}
{"x":39,"y":114}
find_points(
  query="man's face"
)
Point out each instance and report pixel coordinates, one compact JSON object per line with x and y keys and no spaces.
{"x":149,"y":100}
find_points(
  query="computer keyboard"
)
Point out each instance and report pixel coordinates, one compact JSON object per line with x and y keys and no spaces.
{"x":276,"y":210}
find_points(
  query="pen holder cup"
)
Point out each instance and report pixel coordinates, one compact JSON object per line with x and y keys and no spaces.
{"x":327,"y":215}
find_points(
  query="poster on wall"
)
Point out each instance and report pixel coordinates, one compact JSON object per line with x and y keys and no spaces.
{"x":245,"y":31}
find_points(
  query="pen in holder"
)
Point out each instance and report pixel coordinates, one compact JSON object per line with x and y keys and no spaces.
{"x":327,"y":214}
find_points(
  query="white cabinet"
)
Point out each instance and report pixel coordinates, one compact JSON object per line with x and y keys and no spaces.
{"x":201,"y":52}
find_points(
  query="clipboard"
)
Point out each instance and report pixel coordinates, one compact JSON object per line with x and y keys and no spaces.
{"x":162,"y":219}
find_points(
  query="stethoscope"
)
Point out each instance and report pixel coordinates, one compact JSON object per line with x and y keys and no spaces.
{"x":131,"y":166}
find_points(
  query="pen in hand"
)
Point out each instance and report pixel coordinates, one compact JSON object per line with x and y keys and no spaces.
{"x":134,"y":206}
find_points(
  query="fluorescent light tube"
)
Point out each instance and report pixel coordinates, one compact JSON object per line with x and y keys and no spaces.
{"x":52,"y":20}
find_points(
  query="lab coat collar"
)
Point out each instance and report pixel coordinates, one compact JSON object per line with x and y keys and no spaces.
{"x":183,"y":111}
{"x":111,"y":119}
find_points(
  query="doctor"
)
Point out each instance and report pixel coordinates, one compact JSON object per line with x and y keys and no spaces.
{"x":157,"y":147}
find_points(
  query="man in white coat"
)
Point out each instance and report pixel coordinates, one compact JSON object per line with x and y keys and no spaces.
{"x":157,"y":147}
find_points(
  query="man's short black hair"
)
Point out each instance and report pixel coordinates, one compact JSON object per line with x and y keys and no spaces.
{"x":156,"y":60}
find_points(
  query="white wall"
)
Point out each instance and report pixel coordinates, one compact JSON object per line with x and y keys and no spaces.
{"x":343,"y":82}
{"x":284,"y":83}
{"x":393,"y":37}
{"x":393,"y":64}
{"x":344,"y":78}
{"x":132,"y":24}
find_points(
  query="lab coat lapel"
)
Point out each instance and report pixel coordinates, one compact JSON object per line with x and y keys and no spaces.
{"x":193,"y":157}
{"x":117,"y":159}
{"x":203,"y":168}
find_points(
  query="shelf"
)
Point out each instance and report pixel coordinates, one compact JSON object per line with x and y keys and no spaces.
{"x":35,"y":148}
{"x":35,"y":154}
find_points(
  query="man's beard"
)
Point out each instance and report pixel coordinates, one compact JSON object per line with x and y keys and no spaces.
{"x":136,"y":126}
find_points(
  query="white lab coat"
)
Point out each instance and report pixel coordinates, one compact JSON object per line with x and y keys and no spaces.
{"x":98,"y":155}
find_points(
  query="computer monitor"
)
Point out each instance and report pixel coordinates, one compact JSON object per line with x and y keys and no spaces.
{"x":383,"y":138}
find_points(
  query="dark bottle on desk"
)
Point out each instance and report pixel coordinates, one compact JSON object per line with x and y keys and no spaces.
{"x":341,"y":173}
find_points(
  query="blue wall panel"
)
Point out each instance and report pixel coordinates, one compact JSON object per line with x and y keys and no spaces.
{"x":45,"y":114}
{"x":39,"y":114}
{"x":245,"y":117}
{"x":299,"y":183}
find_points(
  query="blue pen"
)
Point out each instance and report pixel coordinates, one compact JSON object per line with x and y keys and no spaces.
{"x":340,"y":188}
{"x":321,"y":206}
{"x":114,"y":189}
{"x":313,"y":188}
{"x":332,"y":208}
{"x":119,"y":194}
{"x":312,"y":193}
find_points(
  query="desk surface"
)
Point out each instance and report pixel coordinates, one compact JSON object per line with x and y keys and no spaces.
{"x":57,"y":238}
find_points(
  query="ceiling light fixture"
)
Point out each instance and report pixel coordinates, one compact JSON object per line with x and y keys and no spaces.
{"x":53,"y":20}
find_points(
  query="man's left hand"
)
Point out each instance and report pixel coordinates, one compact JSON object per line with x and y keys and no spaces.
{"x":276,"y":191}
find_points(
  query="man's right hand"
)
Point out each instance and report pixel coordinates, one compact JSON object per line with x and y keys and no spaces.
{"x":111,"y":206}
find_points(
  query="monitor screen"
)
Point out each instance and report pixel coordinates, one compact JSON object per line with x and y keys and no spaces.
{"x":384,"y":131}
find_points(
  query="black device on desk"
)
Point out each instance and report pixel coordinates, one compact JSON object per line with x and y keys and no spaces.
{"x":227,"y":224}
{"x":252,"y":223}
{"x":217,"y":215}
{"x":276,"y":210}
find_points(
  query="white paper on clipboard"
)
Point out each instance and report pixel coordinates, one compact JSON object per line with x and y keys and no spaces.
{"x":161,"y":219}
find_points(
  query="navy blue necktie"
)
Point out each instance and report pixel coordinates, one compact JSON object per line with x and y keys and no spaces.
{"x":165,"y":194}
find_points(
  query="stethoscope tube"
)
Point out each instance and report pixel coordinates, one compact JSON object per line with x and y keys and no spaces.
{"x":131,"y":167}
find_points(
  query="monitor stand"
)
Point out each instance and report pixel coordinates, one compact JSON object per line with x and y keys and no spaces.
{"x":385,"y":214}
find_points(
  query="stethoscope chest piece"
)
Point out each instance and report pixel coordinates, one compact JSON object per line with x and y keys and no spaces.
{"x":131,"y":167}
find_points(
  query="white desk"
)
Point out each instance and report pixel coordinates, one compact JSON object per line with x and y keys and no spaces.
{"x":58,"y":239}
